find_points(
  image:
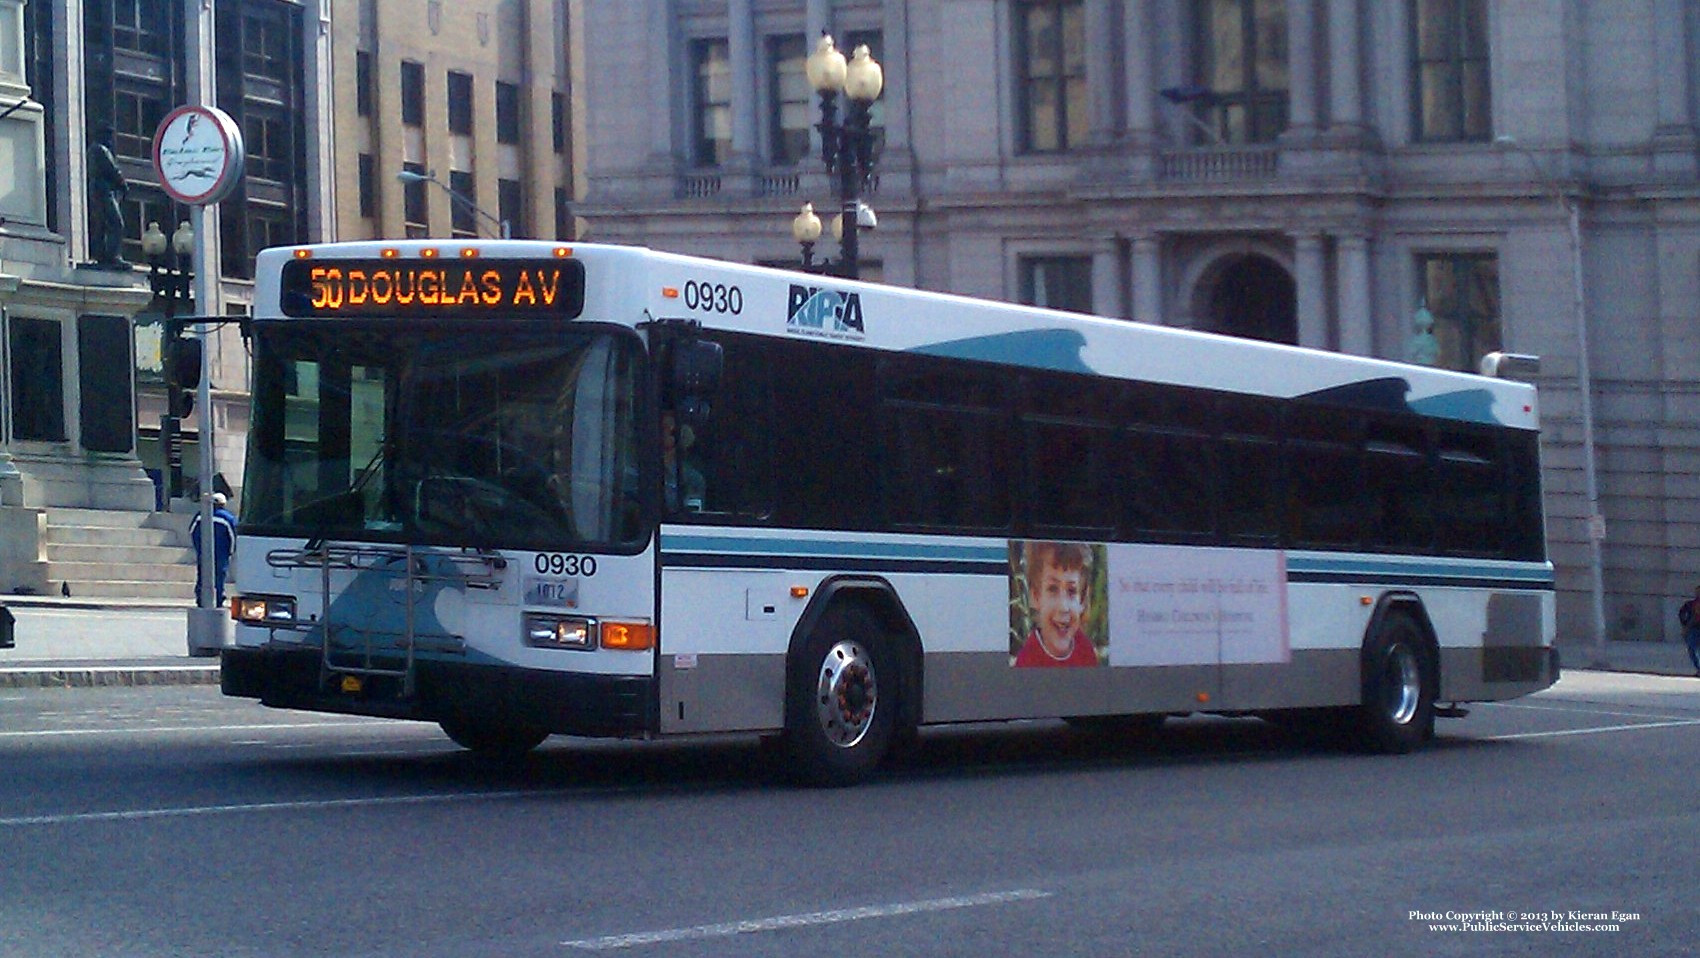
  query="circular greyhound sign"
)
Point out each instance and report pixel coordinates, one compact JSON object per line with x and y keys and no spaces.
{"x":198,"y":154}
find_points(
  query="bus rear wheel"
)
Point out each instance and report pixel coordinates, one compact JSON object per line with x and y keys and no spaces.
{"x":497,"y":740}
{"x":841,"y":699}
{"x":1397,"y":711}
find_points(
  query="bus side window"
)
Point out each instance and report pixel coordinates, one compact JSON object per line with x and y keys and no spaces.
{"x":724,"y":458}
{"x":1472,"y":509}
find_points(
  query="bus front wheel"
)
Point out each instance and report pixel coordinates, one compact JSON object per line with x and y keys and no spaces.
{"x":1399,"y":682}
{"x":841,"y":698}
{"x":493,"y":739}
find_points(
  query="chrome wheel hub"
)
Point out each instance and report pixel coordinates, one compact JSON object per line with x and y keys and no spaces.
{"x":1402,"y":686}
{"x":847,"y":693}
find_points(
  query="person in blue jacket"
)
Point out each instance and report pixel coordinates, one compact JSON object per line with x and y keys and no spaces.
{"x":224,"y":545}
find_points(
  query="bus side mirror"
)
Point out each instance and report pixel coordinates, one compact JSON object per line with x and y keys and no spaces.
{"x":697,"y":364}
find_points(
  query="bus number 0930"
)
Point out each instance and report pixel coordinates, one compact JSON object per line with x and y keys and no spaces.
{"x":555,"y":563}
{"x":713,"y":297}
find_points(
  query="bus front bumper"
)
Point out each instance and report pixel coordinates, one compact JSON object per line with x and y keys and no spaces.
{"x":568,"y":703}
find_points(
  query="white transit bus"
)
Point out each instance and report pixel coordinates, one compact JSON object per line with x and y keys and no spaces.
{"x":521,"y":488}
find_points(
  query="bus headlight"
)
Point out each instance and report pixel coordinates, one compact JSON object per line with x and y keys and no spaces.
{"x":263,"y":609}
{"x":545,"y":631}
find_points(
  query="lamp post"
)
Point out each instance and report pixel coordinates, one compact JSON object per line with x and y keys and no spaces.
{"x":1572,"y":207}
{"x":502,"y":228}
{"x":170,"y":273}
{"x":847,"y":146}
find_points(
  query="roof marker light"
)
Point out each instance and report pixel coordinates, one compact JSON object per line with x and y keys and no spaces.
{"x":669,"y":292}
{"x":562,"y":252}
{"x":469,"y":252}
{"x":303,"y":254}
{"x":389,"y":252}
{"x":429,"y":252}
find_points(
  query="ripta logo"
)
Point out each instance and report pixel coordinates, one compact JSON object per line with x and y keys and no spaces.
{"x":827,"y":310}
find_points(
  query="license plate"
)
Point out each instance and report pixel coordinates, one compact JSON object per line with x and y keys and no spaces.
{"x":555,"y":593}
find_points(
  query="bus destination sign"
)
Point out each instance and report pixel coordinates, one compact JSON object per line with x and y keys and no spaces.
{"x":419,"y":289}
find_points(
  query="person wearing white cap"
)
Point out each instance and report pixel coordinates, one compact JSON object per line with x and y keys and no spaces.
{"x":224,"y":545}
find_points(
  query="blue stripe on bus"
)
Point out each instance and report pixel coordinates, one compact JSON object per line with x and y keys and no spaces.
{"x":723,"y":551}
{"x":753,"y":545}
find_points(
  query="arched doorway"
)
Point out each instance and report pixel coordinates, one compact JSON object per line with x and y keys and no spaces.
{"x":1251,"y":295}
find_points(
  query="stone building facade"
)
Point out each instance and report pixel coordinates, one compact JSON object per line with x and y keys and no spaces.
{"x":474,"y":93}
{"x":1385,"y":178}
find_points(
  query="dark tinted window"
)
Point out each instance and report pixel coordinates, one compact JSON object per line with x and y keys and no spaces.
{"x":460,"y":102}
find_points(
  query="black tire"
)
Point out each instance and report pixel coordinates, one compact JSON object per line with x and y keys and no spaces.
{"x":841,"y":699}
{"x":1396,"y":713}
{"x":496,"y":740}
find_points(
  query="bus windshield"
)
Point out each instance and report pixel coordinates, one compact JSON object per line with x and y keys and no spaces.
{"x":492,"y":437}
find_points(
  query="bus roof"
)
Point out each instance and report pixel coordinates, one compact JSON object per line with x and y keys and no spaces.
{"x":630,"y":285}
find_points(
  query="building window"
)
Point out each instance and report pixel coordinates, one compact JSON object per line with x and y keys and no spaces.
{"x":508,"y":205}
{"x":261,"y":85}
{"x":368,"y":186}
{"x":363,"y":83}
{"x":460,"y":103}
{"x":558,"y":121}
{"x":463,"y":219}
{"x":507,"y":112}
{"x":135,"y":118}
{"x":1449,"y":42}
{"x":1057,"y":282}
{"x":1242,"y":48}
{"x":711,"y":108}
{"x":563,"y":215}
{"x":1461,"y":292}
{"x":143,"y":26}
{"x":266,"y":140}
{"x":413,"y":203}
{"x":266,"y":46}
{"x":1051,"y":54}
{"x":412,"y":93}
{"x":38,"y":380}
{"x":788,"y":100}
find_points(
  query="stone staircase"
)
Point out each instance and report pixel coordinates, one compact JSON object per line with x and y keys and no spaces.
{"x":100,"y":553}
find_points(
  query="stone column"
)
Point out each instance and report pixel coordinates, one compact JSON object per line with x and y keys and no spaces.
{"x":1309,"y":289}
{"x":1147,"y":279}
{"x":1674,"y":137}
{"x":1345,"y":72}
{"x":741,"y":50}
{"x":1101,"y":82}
{"x":1301,"y":64}
{"x":1356,"y":309}
{"x":1106,"y":279}
{"x":661,"y":51}
{"x":1139,"y":71}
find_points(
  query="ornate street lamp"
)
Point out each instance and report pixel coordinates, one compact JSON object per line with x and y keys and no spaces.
{"x":170,"y":275}
{"x":847,"y":147}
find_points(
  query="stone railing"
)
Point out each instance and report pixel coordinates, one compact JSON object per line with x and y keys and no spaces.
{"x":1217,"y":163}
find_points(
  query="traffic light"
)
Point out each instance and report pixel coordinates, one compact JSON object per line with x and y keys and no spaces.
{"x":182,"y":367}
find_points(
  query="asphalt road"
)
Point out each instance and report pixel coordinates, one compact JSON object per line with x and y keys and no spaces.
{"x":170,"y":821}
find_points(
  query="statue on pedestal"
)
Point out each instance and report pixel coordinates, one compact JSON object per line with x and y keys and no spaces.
{"x":107,"y":189}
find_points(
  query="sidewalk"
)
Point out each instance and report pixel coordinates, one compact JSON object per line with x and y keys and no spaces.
{"x":98,"y":642}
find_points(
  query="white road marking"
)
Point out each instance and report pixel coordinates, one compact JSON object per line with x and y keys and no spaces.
{"x":143,"y":814}
{"x":284,"y":726}
{"x":1588,"y":731}
{"x":780,"y":922}
{"x":1581,"y":711}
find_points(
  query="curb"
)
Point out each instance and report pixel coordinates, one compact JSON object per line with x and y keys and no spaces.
{"x":72,"y":676}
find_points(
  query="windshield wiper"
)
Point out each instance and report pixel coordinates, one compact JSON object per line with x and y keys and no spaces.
{"x":364,"y":476}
